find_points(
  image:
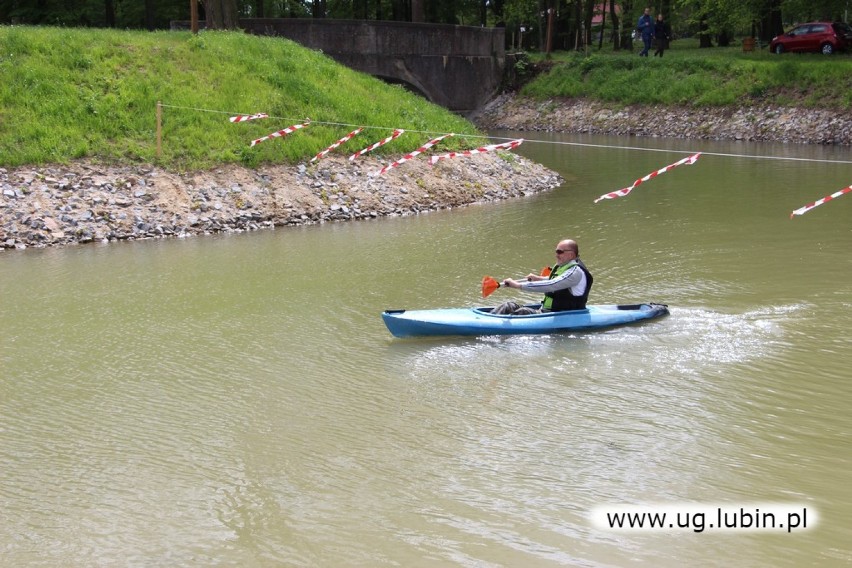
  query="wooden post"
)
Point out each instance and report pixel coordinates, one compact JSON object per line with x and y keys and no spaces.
{"x":549,"y":31}
{"x":159,"y":129}
{"x":193,"y":15}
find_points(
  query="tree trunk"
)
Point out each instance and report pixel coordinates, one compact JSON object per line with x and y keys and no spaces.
{"x":221,"y":14}
{"x":418,"y":13}
{"x":551,"y":14}
{"x":628,"y":26}
{"x":109,"y":13}
{"x":318,"y":9}
{"x":497,"y":9}
{"x":587,"y":22}
{"x":359,"y":8}
{"x":704,"y":39}
{"x":399,"y":11}
{"x":258,"y":8}
{"x":771,"y":24}
{"x":616,"y":38}
{"x":149,"y":15}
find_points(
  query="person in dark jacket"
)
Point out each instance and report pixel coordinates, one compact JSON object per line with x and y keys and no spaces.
{"x":566,"y":288}
{"x":662,"y":35}
{"x":645,"y":28}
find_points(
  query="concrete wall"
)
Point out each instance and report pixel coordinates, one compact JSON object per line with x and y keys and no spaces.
{"x":458,"y":67}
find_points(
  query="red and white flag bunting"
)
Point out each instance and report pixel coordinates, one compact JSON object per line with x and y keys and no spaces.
{"x":396,"y":134}
{"x":336,"y":144}
{"x":622,"y":192}
{"x":421,"y":149}
{"x":817,"y":203}
{"x":245,"y":117}
{"x":285,"y":132}
{"x":481,"y":150}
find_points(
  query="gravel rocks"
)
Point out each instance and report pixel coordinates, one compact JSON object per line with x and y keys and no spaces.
{"x":85,"y":202}
{"x":762,"y":123}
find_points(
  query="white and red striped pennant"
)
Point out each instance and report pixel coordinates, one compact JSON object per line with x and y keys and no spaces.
{"x":818,"y":202}
{"x":245,"y":117}
{"x":396,"y":133}
{"x":622,"y":192}
{"x":410,"y":155}
{"x":285,"y":132}
{"x":481,"y":150}
{"x":336,"y":144}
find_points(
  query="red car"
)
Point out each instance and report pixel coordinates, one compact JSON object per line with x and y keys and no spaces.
{"x":822,"y":37}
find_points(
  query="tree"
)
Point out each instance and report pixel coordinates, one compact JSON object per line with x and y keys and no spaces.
{"x":221,"y":14}
{"x":770,"y":21}
{"x":109,"y":13}
{"x":521,"y":16}
{"x":418,"y":12}
{"x":629,"y":24}
{"x":613,"y":16}
{"x":806,"y":10}
{"x":150,"y":15}
{"x":318,"y":9}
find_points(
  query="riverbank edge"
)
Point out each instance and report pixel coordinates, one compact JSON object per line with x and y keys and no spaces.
{"x":748,"y":123}
{"x":86,"y":202}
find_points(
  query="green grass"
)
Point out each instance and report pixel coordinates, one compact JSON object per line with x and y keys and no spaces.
{"x":690,"y":76}
{"x":82,"y":93}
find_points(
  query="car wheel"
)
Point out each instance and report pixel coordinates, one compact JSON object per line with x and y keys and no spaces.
{"x":827,"y":49}
{"x":779,"y":49}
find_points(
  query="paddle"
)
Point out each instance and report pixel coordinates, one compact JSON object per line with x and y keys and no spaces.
{"x":489,"y":285}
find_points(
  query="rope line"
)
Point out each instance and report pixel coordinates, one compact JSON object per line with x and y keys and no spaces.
{"x":579,"y":144}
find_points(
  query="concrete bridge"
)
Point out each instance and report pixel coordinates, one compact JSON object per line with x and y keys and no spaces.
{"x":458,"y":67}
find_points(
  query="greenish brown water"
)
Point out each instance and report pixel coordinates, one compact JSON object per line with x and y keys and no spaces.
{"x":237,"y":401}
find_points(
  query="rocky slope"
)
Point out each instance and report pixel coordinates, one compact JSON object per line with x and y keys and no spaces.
{"x":86,"y":202}
{"x":750,"y":123}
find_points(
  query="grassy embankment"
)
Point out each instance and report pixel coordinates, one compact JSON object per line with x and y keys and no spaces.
{"x":69,"y":94}
{"x":687,"y":75}
{"x":82,"y":93}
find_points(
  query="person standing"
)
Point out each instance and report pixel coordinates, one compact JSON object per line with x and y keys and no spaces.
{"x":645,"y":28}
{"x":662,"y":35}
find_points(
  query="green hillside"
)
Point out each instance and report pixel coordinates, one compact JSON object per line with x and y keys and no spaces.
{"x":84,"y":93}
{"x":691,"y":76}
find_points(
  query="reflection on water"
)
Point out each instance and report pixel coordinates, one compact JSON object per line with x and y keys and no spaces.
{"x":238,"y":401}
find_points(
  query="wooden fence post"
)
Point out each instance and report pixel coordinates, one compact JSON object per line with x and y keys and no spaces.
{"x":159,"y":129}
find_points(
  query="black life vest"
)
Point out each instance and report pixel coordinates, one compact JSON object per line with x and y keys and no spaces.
{"x":563,"y":299}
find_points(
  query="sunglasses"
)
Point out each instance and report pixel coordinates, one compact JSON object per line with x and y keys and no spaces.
{"x":560,"y":251}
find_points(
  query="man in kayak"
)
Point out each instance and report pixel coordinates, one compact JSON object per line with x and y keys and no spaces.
{"x":566,"y":288}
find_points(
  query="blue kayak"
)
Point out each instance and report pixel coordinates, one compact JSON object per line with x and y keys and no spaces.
{"x":480,"y":321}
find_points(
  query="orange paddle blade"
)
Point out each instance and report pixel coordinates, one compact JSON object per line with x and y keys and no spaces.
{"x":488,"y":286}
{"x":546,"y":271}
